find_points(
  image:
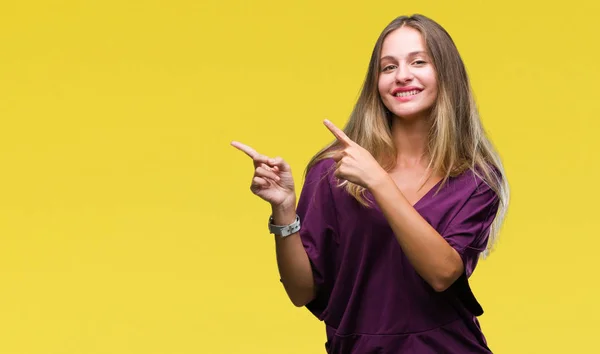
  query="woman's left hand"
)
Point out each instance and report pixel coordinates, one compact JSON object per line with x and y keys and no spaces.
{"x":354,"y":163}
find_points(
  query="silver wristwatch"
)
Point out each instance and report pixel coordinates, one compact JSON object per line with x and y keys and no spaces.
{"x":284,"y":230}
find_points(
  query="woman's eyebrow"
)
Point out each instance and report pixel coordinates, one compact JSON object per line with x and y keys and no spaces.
{"x":411,"y":54}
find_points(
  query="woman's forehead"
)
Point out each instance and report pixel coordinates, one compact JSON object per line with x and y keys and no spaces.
{"x":403,"y":42}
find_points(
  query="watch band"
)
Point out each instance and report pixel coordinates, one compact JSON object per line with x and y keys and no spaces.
{"x":284,"y":230}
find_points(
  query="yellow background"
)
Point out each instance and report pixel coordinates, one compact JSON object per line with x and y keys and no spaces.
{"x":126,"y":221}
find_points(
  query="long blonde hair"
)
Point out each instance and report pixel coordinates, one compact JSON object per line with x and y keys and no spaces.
{"x":457,"y":141}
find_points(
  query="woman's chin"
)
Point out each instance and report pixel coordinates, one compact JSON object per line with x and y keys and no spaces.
{"x":410,"y":114}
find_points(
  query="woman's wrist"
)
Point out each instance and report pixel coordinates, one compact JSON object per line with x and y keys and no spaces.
{"x":380,"y":181}
{"x":284,"y":213}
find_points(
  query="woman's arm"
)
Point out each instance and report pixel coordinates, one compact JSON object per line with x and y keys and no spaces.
{"x":293,"y":263}
{"x":273,"y":182}
{"x":429,"y":253}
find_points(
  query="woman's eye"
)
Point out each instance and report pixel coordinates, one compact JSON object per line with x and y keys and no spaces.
{"x":419,"y":62}
{"x":389,"y":67}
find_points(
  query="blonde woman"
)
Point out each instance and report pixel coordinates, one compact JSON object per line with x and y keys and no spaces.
{"x":395,"y":212}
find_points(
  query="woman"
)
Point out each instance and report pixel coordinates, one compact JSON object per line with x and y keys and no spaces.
{"x":396,"y":211}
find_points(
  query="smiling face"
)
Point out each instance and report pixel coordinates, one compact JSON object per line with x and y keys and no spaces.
{"x":407,"y":79}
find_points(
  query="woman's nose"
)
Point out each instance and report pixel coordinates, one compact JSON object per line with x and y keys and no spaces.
{"x":404,"y":74}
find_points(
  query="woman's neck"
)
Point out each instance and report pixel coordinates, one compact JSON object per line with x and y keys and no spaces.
{"x":410,"y":138}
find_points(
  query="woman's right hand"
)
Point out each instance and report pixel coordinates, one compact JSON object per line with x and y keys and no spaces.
{"x":272,"y":180}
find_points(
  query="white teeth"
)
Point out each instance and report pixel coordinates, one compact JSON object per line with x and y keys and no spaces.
{"x":407,"y":93}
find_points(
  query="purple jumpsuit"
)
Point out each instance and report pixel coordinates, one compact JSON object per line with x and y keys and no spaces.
{"x":369,"y":295}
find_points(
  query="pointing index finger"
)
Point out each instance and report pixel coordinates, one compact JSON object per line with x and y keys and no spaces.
{"x":337,"y":132}
{"x":245,"y":148}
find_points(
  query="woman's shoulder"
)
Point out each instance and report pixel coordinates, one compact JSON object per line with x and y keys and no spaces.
{"x":473,"y":182}
{"x":319,"y":169}
{"x":477,"y":177}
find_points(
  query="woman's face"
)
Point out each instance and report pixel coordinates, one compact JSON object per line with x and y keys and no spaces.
{"x":407,"y":79}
